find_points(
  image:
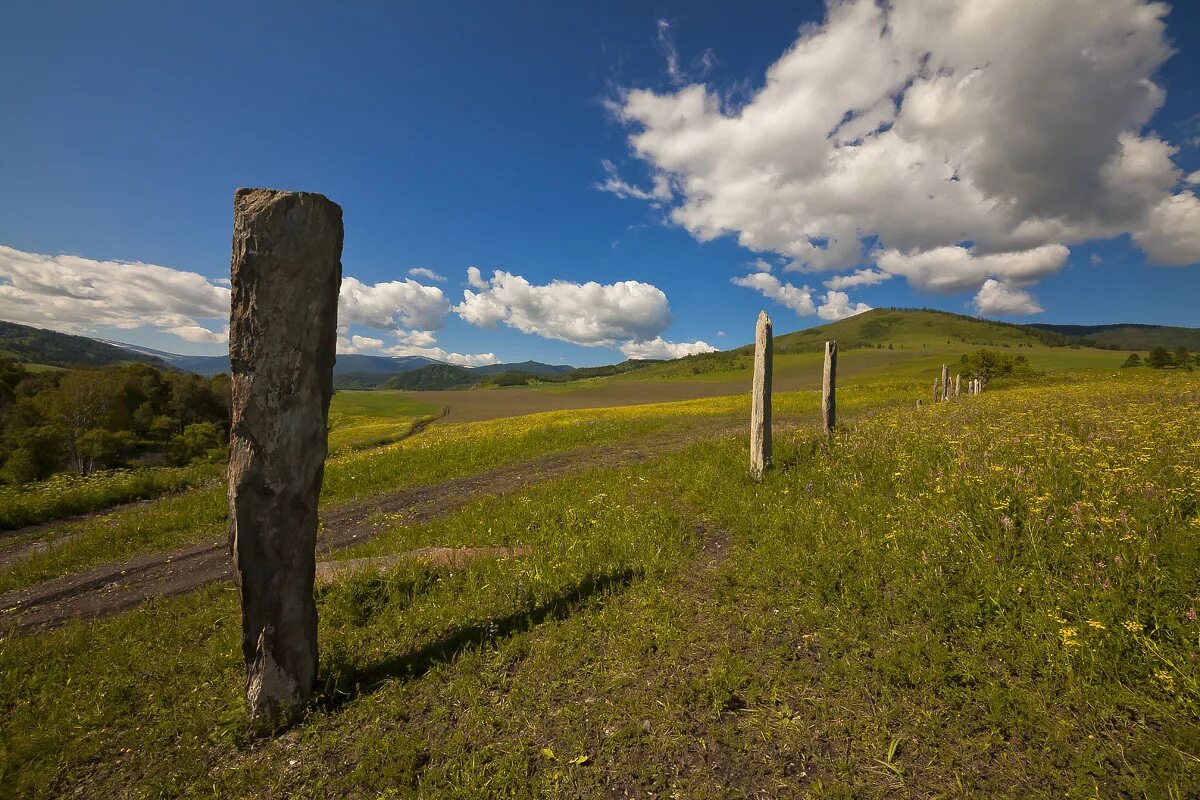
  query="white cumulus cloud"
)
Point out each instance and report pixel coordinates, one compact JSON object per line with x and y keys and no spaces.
{"x":427,"y":274}
{"x":957,"y":269}
{"x":392,"y":304}
{"x":659,"y":348}
{"x":861,"y":277}
{"x":796,"y":298}
{"x":78,"y":295}
{"x":438,"y":354}
{"x":996,"y":298}
{"x":837,"y":306}
{"x":475,"y":278}
{"x":1173,"y":236}
{"x":613,"y":184}
{"x":589,"y":314}
{"x":75,"y":294}
{"x":964,"y":142}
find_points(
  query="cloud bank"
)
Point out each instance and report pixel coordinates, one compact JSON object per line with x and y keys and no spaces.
{"x":78,"y":295}
{"x":75,"y":294}
{"x":589,"y":314}
{"x":950,"y":143}
{"x":658,"y":348}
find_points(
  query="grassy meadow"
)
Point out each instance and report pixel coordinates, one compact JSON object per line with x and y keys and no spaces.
{"x":994,"y":597}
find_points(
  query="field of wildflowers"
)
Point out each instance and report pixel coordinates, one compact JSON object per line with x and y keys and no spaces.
{"x":995,"y":597}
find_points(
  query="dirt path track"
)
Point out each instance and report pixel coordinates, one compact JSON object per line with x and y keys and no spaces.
{"x":117,"y":587}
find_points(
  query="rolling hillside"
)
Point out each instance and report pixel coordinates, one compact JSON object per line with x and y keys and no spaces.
{"x":36,"y":346}
{"x":31,"y":345}
{"x":1129,"y":336}
{"x":907,"y":328}
{"x":893,"y":329}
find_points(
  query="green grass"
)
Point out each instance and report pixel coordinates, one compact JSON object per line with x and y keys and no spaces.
{"x":909,"y":329}
{"x":66,"y":495}
{"x":867,"y":364}
{"x":989,"y":598}
{"x":441,"y":453}
{"x":362,"y":419}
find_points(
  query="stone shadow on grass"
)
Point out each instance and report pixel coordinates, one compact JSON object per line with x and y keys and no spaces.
{"x":342,"y":686}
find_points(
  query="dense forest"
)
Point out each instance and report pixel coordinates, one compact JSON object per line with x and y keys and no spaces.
{"x":82,"y":420}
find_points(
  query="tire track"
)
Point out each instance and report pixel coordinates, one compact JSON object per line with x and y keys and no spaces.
{"x":112,"y":588}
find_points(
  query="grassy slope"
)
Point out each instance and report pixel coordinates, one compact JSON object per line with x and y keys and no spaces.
{"x":1134,"y":337}
{"x":993,"y":598}
{"x":360,"y":419}
{"x":25,"y":343}
{"x":442,"y":453}
{"x":920,"y":340}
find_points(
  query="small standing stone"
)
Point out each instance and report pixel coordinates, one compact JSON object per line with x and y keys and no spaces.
{"x":829,"y":388}
{"x":286,"y":272}
{"x":936,"y":392}
{"x":958,"y":385}
{"x":760,"y":398}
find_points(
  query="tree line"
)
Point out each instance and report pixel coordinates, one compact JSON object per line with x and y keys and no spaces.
{"x":1161,"y":358}
{"x":83,"y":420}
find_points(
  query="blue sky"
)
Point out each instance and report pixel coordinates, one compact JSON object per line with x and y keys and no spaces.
{"x":477,"y":135}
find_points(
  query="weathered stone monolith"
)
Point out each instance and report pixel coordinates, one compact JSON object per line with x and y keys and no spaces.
{"x":286,"y":273}
{"x":760,"y":398}
{"x":829,"y":388}
{"x":958,"y":385}
{"x":936,"y":392}
{"x":945,"y":382}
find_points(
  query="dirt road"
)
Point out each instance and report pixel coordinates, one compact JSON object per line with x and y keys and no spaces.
{"x":120,"y":586}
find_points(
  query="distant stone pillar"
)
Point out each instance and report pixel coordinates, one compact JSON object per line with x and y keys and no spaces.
{"x":760,"y":398}
{"x":286,"y":272}
{"x":829,"y":388}
{"x":945,"y":382}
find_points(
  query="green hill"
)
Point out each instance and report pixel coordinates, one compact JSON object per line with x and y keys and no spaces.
{"x":907,"y":328}
{"x":887,"y":328}
{"x":36,"y":346}
{"x":1129,"y":336}
{"x":432,"y":378}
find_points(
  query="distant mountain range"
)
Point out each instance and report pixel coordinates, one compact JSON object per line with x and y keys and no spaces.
{"x":883,"y":327}
{"x":37,"y":346}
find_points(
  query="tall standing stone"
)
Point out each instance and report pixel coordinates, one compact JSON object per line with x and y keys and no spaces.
{"x":935,"y":391}
{"x":945,"y":382}
{"x":829,"y":388}
{"x":760,"y":398}
{"x":286,"y":273}
{"x":958,"y":385}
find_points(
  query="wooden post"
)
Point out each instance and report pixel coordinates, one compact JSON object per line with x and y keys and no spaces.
{"x":829,"y":388}
{"x":285,"y":275}
{"x":760,"y":398}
